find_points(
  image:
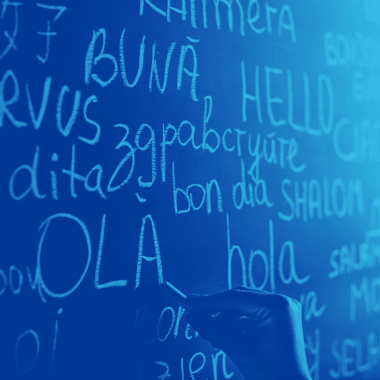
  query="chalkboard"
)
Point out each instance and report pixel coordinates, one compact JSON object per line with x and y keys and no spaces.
{"x":211,"y":144}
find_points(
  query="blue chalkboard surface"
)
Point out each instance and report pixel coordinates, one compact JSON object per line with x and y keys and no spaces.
{"x":211,"y":144}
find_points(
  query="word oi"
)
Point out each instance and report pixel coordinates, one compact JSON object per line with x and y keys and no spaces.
{"x":31,"y":334}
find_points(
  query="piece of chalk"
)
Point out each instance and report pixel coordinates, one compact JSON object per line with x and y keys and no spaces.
{"x":176,"y":295}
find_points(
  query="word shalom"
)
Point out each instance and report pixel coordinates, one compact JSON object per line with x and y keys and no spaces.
{"x":312,"y":199}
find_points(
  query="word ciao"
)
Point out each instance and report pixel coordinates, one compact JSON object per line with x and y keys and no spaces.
{"x":261,"y":17}
{"x":353,"y":356}
{"x":15,"y":278}
{"x":312,"y":199}
{"x":357,"y":142}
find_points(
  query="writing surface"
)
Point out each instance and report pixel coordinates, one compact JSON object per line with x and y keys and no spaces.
{"x":208,"y":144}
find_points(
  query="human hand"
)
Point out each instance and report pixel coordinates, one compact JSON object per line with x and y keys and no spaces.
{"x":260,"y":331}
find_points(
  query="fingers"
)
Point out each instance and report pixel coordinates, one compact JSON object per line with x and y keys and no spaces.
{"x":201,"y":322}
{"x":252,"y":302}
{"x":209,"y":329}
{"x":251,"y":289}
{"x":244,"y":300}
{"x":229,"y":325}
{"x":244,"y":325}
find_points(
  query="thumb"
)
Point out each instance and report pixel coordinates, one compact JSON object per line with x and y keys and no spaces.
{"x":201,"y":322}
{"x":207,"y":328}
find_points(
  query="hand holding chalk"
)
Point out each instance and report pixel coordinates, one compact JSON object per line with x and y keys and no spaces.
{"x":261,"y":332}
{"x":176,"y":295}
